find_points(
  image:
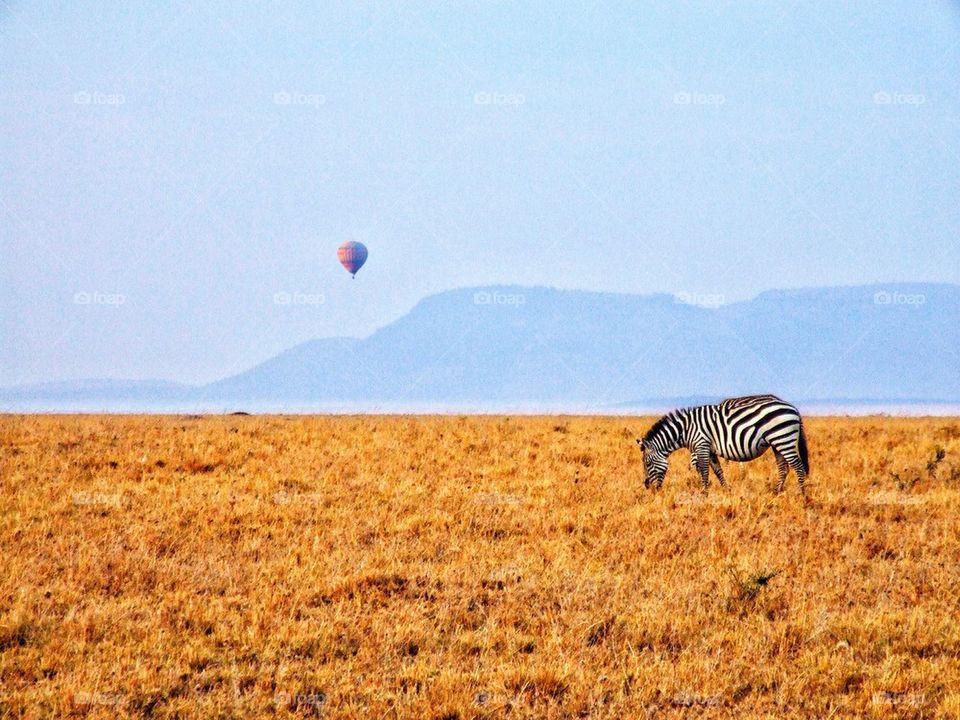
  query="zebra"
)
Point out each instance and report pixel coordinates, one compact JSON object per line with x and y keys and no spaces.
{"x":739,"y":429}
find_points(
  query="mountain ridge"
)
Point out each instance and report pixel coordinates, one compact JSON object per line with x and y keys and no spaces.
{"x":509,"y":345}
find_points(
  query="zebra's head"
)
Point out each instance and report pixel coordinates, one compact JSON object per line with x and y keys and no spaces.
{"x":654,"y":463}
{"x":661,"y":440}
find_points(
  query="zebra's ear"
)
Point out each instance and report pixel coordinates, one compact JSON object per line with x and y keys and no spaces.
{"x":640,"y":443}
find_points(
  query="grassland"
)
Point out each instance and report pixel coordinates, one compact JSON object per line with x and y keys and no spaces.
{"x":446,"y":567}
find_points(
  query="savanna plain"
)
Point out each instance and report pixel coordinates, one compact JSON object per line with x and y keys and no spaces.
{"x":470,"y":567}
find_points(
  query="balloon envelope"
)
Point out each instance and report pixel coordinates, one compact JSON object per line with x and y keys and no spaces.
{"x":352,"y":255}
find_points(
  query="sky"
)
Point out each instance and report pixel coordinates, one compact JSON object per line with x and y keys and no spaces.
{"x":172,"y":173}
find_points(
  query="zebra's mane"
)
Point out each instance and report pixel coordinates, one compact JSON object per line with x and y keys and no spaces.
{"x":660,"y":424}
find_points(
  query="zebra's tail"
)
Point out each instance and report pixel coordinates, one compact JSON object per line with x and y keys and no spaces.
{"x":802,"y":449}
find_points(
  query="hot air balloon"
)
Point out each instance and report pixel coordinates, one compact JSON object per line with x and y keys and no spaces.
{"x":352,"y":255}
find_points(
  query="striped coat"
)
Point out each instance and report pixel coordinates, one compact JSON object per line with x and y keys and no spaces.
{"x":739,"y":429}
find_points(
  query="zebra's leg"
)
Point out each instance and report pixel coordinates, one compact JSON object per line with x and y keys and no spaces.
{"x":790,"y":456}
{"x":717,"y":470}
{"x":702,"y":455}
{"x":783,"y":468}
{"x":801,"y":472}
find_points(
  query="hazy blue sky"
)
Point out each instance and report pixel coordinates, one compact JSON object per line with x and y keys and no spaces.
{"x":167,"y":168}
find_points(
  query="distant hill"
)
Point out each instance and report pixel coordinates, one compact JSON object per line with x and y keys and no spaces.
{"x":510,"y":346}
{"x":69,"y":391}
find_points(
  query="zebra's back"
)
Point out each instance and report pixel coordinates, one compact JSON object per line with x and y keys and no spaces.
{"x":751,"y":401}
{"x":749,"y":425}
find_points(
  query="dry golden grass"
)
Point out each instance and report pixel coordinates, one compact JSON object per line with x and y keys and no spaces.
{"x":445,"y":567}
